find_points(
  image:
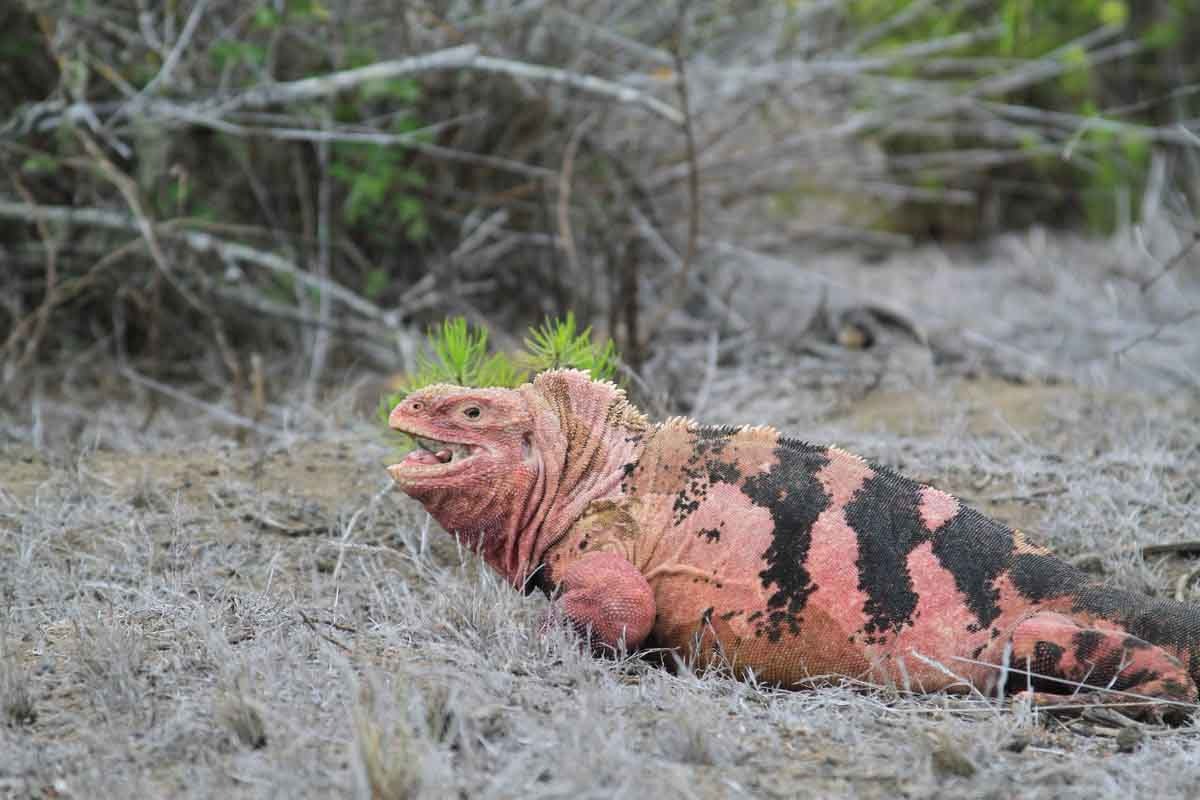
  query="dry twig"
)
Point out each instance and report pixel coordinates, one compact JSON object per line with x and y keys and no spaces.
{"x":1172,"y":262}
{"x":201,"y":243}
{"x":676,"y":295}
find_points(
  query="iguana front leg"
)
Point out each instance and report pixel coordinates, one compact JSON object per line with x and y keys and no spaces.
{"x":606,"y":597}
{"x":1056,"y":662}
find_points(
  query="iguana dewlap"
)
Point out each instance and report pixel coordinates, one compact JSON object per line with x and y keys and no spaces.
{"x":794,"y":561}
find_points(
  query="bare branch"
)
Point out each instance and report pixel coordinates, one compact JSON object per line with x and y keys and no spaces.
{"x":320,"y":334}
{"x":129,"y":192}
{"x":1158,"y":331}
{"x":334,"y":82}
{"x":201,"y":243}
{"x":412,"y":140}
{"x":1173,"y":261}
{"x":693,"y":176}
{"x":1074,"y":122}
{"x":213,"y":410}
{"x":587,"y":83}
{"x":211,"y":113}
{"x":172,"y":60}
{"x":39,"y":318}
{"x":564,"y":193}
{"x":710,"y":372}
{"x":464,"y":57}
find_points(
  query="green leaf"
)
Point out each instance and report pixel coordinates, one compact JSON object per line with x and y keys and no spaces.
{"x":377,"y":281}
{"x":1114,"y":12}
{"x":405,"y":90}
{"x":1135,"y":147}
{"x":499,"y":370}
{"x":458,"y":353}
{"x":1030,"y":141}
{"x":227,"y":52}
{"x":1075,"y":57}
{"x":16,"y":47}
{"x":360,"y":56}
{"x":266,"y":17}
{"x":300,"y":9}
{"x":417,"y":229}
{"x":366,"y":192}
{"x":408,"y":208}
{"x":410,"y":178}
{"x":555,"y":344}
{"x":1161,"y":35}
{"x":40,"y":164}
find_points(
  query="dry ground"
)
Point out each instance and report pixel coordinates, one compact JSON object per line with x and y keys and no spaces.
{"x":202,"y":619}
{"x":187,"y":616}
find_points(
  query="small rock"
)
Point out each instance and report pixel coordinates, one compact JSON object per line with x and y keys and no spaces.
{"x":1129,"y":739}
{"x":1017,"y":743}
{"x":949,"y":760}
{"x":244,"y":720}
{"x":854,"y":337}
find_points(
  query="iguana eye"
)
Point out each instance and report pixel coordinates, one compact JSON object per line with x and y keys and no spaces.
{"x":471,"y":412}
{"x":415,"y":405}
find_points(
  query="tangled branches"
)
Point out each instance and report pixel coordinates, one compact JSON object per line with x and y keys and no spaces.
{"x":191,"y":183}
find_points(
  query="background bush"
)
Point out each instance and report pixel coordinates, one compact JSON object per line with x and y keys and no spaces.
{"x":1106,"y":59}
{"x":188,"y":186}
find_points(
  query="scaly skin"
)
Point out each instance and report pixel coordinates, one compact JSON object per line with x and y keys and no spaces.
{"x":787,"y":560}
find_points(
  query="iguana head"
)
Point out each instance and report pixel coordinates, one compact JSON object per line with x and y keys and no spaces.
{"x":510,"y":469}
{"x":472,"y":449}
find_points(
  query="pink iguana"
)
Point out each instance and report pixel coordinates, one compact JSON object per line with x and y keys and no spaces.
{"x":773,"y":555}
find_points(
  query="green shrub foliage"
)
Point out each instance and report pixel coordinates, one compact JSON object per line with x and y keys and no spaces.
{"x":458,"y":353}
{"x":1076,"y":182}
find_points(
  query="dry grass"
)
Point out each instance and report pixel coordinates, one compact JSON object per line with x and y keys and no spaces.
{"x":183,"y":616}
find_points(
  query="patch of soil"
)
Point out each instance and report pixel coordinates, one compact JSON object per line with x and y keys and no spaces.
{"x":150,"y":587}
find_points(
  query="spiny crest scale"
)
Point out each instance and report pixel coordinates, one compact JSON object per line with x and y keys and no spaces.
{"x":567,"y":389}
{"x":450,"y":389}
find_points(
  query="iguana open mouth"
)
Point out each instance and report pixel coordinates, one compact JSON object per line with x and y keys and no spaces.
{"x":430,"y":454}
{"x":431,"y":451}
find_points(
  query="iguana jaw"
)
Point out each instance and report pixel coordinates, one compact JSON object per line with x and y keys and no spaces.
{"x":433,"y":459}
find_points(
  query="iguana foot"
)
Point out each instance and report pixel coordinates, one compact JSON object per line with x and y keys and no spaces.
{"x":1074,"y":705}
{"x":1059,"y":665}
{"x":608,"y":601}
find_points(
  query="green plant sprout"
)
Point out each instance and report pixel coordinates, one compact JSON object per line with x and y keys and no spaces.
{"x":557,"y":344}
{"x":458,"y":353}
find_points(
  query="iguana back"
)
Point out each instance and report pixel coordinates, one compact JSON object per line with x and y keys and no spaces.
{"x":798,"y":561}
